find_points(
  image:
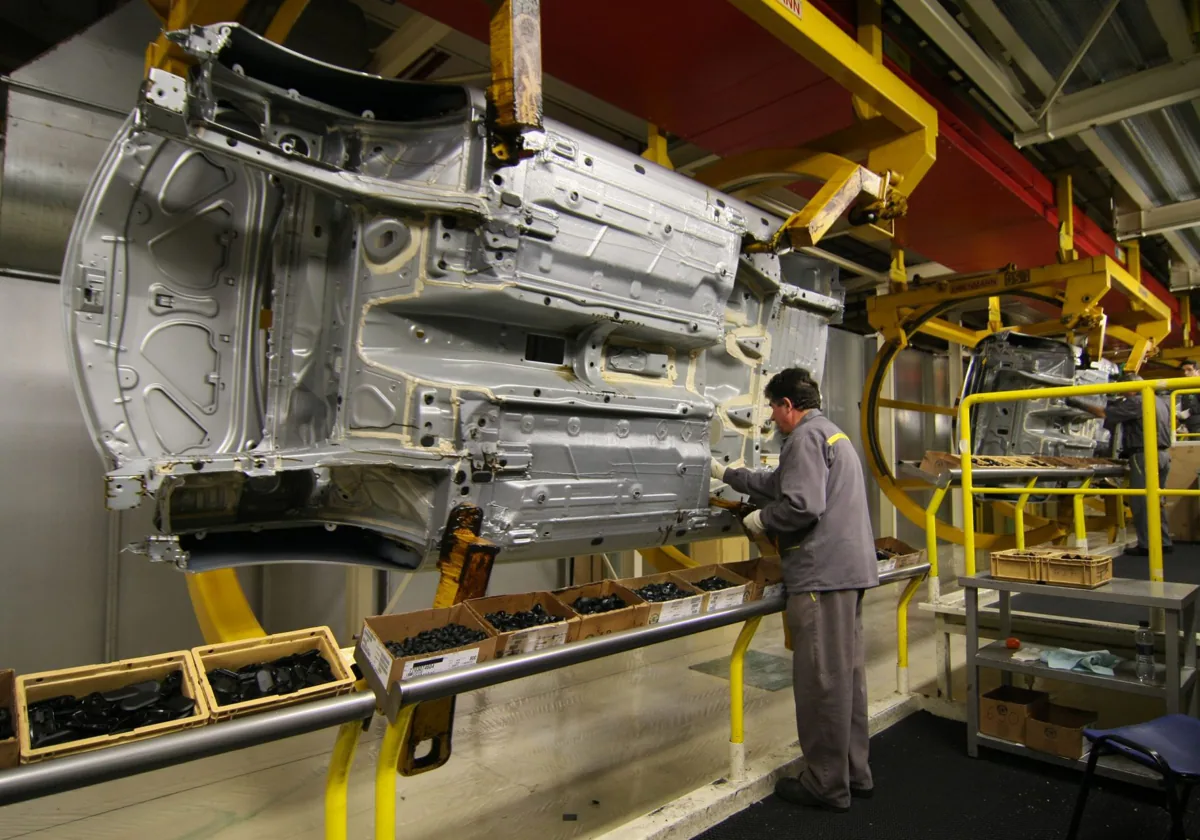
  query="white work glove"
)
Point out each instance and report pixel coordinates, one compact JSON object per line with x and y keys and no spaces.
{"x":717,"y":469}
{"x":1185,"y":414}
{"x":754,"y":524}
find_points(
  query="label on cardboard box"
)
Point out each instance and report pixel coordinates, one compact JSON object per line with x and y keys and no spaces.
{"x":440,"y":663}
{"x":775,"y":590}
{"x":536,"y":638}
{"x":681,"y":608}
{"x":377,"y":655}
{"x":724,"y":599}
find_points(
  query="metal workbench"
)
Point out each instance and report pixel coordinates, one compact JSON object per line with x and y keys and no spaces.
{"x":64,"y":774}
{"x":1175,"y":679}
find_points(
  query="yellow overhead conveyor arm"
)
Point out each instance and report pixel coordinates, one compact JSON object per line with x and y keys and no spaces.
{"x":883,"y":157}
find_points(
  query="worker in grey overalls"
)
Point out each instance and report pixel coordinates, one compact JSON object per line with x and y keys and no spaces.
{"x":1189,"y":404}
{"x":1126,"y":414}
{"x":815,"y":506}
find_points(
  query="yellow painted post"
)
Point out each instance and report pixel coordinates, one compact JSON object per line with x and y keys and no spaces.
{"x":902,"y":635}
{"x":1019,"y":514}
{"x":222,"y":611}
{"x":737,"y":691}
{"x":968,"y":489}
{"x":1080,"y":517}
{"x":1153,"y":499}
{"x":385,"y":774}
{"x":338,"y":780}
{"x":931,"y":549}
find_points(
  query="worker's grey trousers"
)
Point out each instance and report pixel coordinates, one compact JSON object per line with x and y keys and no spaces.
{"x":1137,"y":478}
{"x":829,"y":681}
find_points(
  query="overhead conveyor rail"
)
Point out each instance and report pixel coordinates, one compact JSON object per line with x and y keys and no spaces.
{"x":50,"y":777}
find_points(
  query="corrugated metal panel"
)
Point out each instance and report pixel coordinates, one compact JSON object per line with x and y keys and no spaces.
{"x":54,"y":143}
{"x":1160,"y":151}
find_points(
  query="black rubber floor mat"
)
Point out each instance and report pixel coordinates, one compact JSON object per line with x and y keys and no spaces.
{"x":927,"y":787}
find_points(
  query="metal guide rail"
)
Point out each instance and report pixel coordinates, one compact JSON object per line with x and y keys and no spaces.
{"x":57,"y":776}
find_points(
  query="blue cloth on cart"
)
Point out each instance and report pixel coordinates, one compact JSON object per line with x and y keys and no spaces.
{"x":1096,"y":661}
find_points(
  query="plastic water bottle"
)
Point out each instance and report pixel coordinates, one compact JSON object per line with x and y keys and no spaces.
{"x":1143,"y":642}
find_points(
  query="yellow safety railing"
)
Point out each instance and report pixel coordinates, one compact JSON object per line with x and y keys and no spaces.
{"x":1152,"y":492}
{"x":737,"y":688}
{"x":1175,"y":415}
{"x":396,"y":733}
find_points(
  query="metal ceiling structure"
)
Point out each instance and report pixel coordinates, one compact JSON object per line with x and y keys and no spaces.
{"x":1122,"y":79}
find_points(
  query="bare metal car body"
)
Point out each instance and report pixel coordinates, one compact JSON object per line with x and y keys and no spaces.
{"x":310,"y":316}
{"x":1010,"y":361}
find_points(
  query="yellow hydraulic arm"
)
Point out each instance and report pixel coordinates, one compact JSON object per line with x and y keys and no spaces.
{"x":878,"y":162}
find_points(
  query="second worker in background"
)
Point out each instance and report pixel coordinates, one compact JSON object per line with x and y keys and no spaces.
{"x":814,"y":505}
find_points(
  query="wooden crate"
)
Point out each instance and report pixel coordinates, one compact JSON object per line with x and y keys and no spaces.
{"x":235,"y":655}
{"x":33,"y":688}
{"x":1086,"y":571}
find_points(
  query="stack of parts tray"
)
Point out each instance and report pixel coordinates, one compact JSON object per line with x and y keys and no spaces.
{"x":1052,"y":566}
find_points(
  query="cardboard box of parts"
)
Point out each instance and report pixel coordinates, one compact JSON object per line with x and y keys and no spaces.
{"x":1058,"y":730}
{"x":765,"y":575}
{"x":10,"y":750}
{"x":664,"y":611}
{"x":901,"y":555}
{"x":718,"y":599}
{"x":1004,"y":711}
{"x":383,"y":671}
{"x":636,"y":614}
{"x":545,"y":636}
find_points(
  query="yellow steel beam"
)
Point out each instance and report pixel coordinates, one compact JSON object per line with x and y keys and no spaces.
{"x":516,"y":60}
{"x":806,"y":227}
{"x":222,"y":611}
{"x":1133,"y":259}
{"x":897,"y":274}
{"x":761,"y":169}
{"x":656,"y":147}
{"x":1064,"y":194}
{"x":667,"y":558}
{"x":181,"y":14}
{"x":1175,"y":354}
{"x":870,"y":38}
{"x":901,"y":161}
{"x":1087,"y":281}
{"x":822,"y":42}
{"x":995,"y":318}
{"x":955,"y":334}
{"x":286,"y":15}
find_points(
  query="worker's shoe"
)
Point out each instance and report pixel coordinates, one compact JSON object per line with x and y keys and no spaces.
{"x":794,"y":791}
{"x":861,"y":793}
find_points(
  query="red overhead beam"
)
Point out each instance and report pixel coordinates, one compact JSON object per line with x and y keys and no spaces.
{"x":705,"y":72}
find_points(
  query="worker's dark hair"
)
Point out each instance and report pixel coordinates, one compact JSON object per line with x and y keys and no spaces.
{"x":1187,"y":362}
{"x":795,"y":385}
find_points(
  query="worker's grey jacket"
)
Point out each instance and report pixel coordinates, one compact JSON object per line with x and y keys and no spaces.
{"x":1127,"y":413}
{"x":1191,"y":404}
{"x":817,"y":509}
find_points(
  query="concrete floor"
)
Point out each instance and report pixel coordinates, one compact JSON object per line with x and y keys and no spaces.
{"x":563,"y":755}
